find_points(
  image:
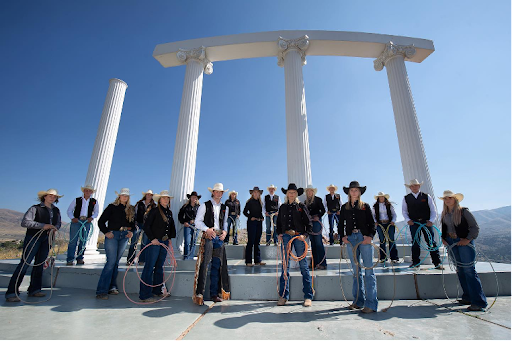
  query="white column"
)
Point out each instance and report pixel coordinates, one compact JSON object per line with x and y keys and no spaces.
{"x":185,"y":148}
{"x":103,"y":152}
{"x":292,"y":55}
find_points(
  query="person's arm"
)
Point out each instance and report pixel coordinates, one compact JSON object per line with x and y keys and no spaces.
{"x":433,"y":211}
{"x":172,"y":225}
{"x":264,"y":207}
{"x":321,"y":208}
{"x":325,"y":204}
{"x":474,"y":229}
{"x":132,"y":223}
{"x":370,"y":221}
{"x":150,"y":219}
{"x":306,"y":219}
{"x":278,"y":201}
{"x":102,"y":222}
{"x":181,"y":215}
{"x":28,"y":220}
{"x":59,"y":220}
{"x":95,"y":210}
{"x":246,"y":210}
{"x":393,"y":214}
{"x":341,"y":223}
{"x":225,"y":222}
{"x":373,"y":214}
{"x":71,"y":209}
{"x":199,"y":221}
{"x":405,"y":211}
{"x":278,"y":223}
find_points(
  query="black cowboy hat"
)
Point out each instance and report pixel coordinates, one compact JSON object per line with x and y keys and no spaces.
{"x":354,"y":184}
{"x":292,"y":186}
{"x":192,"y":194}
{"x":256,"y":188}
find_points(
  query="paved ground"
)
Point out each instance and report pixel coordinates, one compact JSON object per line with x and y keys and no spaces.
{"x":76,"y":314}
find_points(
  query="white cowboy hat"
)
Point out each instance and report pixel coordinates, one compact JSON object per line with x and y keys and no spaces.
{"x":271,"y":186}
{"x":165,"y":193}
{"x":218,"y":187}
{"x":53,"y":191}
{"x":312,"y":188}
{"x":148,"y":192}
{"x":124,"y":191}
{"x":331,"y":185}
{"x":236,"y":193}
{"x":87,"y":187}
{"x":413,"y":182}
{"x":450,"y":194}
{"x":381,"y":194}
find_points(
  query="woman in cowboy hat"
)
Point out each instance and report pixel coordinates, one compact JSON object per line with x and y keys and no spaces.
{"x":142,"y":208}
{"x":385,"y":218}
{"x":459,"y":229}
{"x":160,"y":228}
{"x":187,"y":216}
{"x":120,"y":216}
{"x":270,"y":207}
{"x":233,"y":204}
{"x":316,"y":211}
{"x":332,"y":205}
{"x":253,"y":210}
{"x":293,"y":220}
{"x":359,"y":228}
{"x":43,"y":216}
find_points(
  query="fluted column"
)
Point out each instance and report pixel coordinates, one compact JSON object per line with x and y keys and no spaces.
{"x":292,"y":55}
{"x":185,"y":148}
{"x":103,"y":152}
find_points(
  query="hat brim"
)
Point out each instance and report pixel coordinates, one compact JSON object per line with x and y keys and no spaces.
{"x":144,"y":193}
{"x":300,"y":191}
{"x":409,"y":185}
{"x":335,"y":188}
{"x":385,"y":196}
{"x":189,"y":195}
{"x":118,"y":194}
{"x":218,"y":190}
{"x":260,"y":190}
{"x":312,"y":189}
{"x":347,"y":189}
{"x":84,"y":188}
{"x":43,"y":193}
{"x":157,"y":197}
{"x":458,"y":196}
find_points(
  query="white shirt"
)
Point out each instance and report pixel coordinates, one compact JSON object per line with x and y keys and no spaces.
{"x":83,"y":211}
{"x":271,"y":198}
{"x":383,"y":213}
{"x":216,"y":212}
{"x":433,"y":212}
{"x":332,"y":197}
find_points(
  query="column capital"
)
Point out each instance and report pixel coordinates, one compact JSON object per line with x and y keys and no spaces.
{"x":198,"y":54}
{"x":285,"y":45}
{"x":392,"y":50}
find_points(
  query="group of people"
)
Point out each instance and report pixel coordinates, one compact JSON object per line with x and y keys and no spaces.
{"x":288,"y":224}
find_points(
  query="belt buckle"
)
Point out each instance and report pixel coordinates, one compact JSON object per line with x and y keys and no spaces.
{"x":82,"y":218}
{"x":123,"y":229}
{"x":164,"y":238}
{"x":452,"y":235}
{"x":355,"y":230}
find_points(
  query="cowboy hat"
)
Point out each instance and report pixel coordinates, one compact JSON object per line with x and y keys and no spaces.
{"x":413,"y":182}
{"x":331,"y":185}
{"x":354,"y":184}
{"x":381,"y":194}
{"x":311,"y":188}
{"x":194,"y":193}
{"x":218,"y":187}
{"x":236,"y":193}
{"x":450,"y":194}
{"x":292,"y":186}
{"x":162,"y":194}
{"x":256,"y":188}
{"x":52,"y":191}
{"x":124,"y":191}
{"x":271,"y":186}
{"x":148,"y":192}
{"x":87,"y":187}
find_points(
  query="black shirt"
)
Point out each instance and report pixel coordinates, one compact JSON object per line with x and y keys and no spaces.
{"x":294,"y":216}
{"x":187,"y":213}
{"x":156,"y":227}
{"x":116,"y":218}
{"x":253,"y":209}
{"x":316,"y":208}
{"x":356,"y":218}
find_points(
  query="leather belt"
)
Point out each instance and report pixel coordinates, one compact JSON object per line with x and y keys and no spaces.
{"x":384,"y":221}
{"x":232,"y":213}
{"x":164,"y":238}
{"x":82,"y":218}
{"x":124,"y":228}
{"x":218,"y":232}
{"x":453,"y":235}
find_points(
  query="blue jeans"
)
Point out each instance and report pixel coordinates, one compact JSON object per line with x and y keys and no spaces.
{"x":190,"y":236}
{"x":253,"y":241}
{"x":215,"y":269}
{"x":134,"y":240}
{"x":317,"y":246}
{"x":393,"y":252}
{"x":271,"y":234}
{"x":114,"y":249}
{"x":430,"y":240}
{"x":153,"y":272}
{"x":331,"y":226}
{"x":145,"y":241}
{"x":233,"y":221}
{"x":367,"y":296}
{"x":469,"y":281}
{"x":77,"y":235}
{"x":299,"y":246}
{"x":40,"y":249}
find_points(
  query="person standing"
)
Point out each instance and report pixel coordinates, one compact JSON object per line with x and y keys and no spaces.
{"x":253,"y":210}
{"x":332,"y":204}
{"x":271,"y":206}
{"x":81,"y":211}
{"x":40,"y":219}
{"x":316,"y":211}
{"x":142,"y":208}
{"x":385,"y":218}
{"x":459,"y":230}
{"x":120,"y":216}
{"x":234,"y":216}
{"x":418,"y":210}
{"x":187,"y":216}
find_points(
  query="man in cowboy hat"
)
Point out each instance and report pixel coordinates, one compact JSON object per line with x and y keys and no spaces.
{"x":212,"y":219}
{"x":332,"y":205}
{"x":187,"y":217}
{"x":233,"y":204}
{"x":81,"y":211}
{"x":271,"y":206}
{"x":418,"y":210}
{"x":43,"y":216}
{"x":142,"y":208}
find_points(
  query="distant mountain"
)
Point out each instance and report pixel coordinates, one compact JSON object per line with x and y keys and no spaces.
{"x":10,"y":225}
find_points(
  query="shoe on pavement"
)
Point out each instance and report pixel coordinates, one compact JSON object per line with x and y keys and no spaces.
{"x":69,"y":264}
{"x":354,"y":307}
{"x":102,"y":297}
{"x":148,"y":300}
{"x":367,"y":310}
{"x":395,"y":261}
{"x":414,"y":266}
{"x":475,"y":308}
{"x":282,"y":301}
{"x":249,"y":264}
{"x":439,"y":267}
{"x":167,"y":294}
{"x":37,"y":294}
{"x":382,"y":261}
{"x":12,"y":299}
{"x":307,"y":303}
{"x":113,"y":292}
{"x":216,"y":299}
{"x":260,"y":263}
{"x":464,"y":302}
{"x":80,"y":262}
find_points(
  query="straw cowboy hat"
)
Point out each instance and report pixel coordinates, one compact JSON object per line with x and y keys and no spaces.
{"x":236,"y":193}
{"x":292,"y":186}
{"x":87,"y":187}
{"x":162,"y":194}
{"x":312,"y":188}
{"x":413,"y":182}
{"x":194,"y":193}
{"x":331,"y":185}
{"x":218,"y":187}
{"x":354,"y":184}
{"x":271,"y":186}
{"x":450,"y":194}
{"x":124,"y":191}
{"x":53,"y":191}
{"x":381,"y":194}
{"x":148,"y":192}
{"x":256,"y":188}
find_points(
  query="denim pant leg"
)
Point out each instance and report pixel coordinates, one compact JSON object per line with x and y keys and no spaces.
{"x":145,"y":241}
{"x":274,"y":233}
{"x":215,"y":269}
{"x":158,"y":273}
{"x":230,"y":222}
{"x":307,"y":288}
{"x":187,"y":238}
{"x":134,"y":240}
{"x":74,"y":235}
{"x":83,"y":241}
{"x":415,"y":248}
{"x":284,"y":285}
{"x":111,"y":246}
{"x":431,"y":241}
{"x":393,"y":251}
{"x":268,"y":236}
{"x":317,"y":246}
{"x":36,"y":277}
{"x":382,"y":239}
{"x":152,"y":253}
{"x":251,"y":236}
{"x":357,"y":276}
{"x":122,"y":243}
{"x":331,"y":228}
{"x":235,"y":231}
{"x":257,"y":239}
{"x":370,"y":281}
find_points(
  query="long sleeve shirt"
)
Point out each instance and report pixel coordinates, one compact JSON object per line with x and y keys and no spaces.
{"x":216,"y":212}
{"x":474,"y":229}
{"x":383,"y":213}
{"x":272,"y":198}
{"x":433,"y":212}
{"x":83,"y":210}
{"x":254,"y":209}
{"x":29,"y":222}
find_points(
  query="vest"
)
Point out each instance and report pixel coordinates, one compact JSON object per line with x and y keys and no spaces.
{"x":209,"y":216}
{"x":462,"y":229}
{"x":376,"y":207}
{"x":43,"y":216}
{"x":418,"y":208}
{"x":333,"y":205}
{"x":78,"y":207}
{"x":271,"y":206}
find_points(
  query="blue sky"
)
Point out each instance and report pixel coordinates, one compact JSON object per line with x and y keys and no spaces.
{"x":57,"y":58}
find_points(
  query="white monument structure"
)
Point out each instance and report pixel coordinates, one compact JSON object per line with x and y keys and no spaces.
{"x":291,"y":49}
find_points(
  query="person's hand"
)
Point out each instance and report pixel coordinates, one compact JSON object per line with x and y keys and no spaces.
{"x":129,"y":234}
{"x":367,"y":240}
{"x":186,"y":224}
{"x":74,"y":220}
{"x":463,"y":242}
{"x":445,"y":243}
{"x":223,"y":235}
{"x":376,"y":224}
{"x":89,"y":219}
{"x":210,"y":233}
{"x":48,"y":227}
{"x":392,"y":223}
{"x":155,"y":242}
{"x":192,"y":221}
{"x":301,"y":237}
{"x":253,"y":219}
{"x":266,"y":214}
{"x":238,"y":217}
{"x":410,"y":223}
{"x":345,"y":240}
{"x":429,"y":223}
{"x":109,"y":235}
